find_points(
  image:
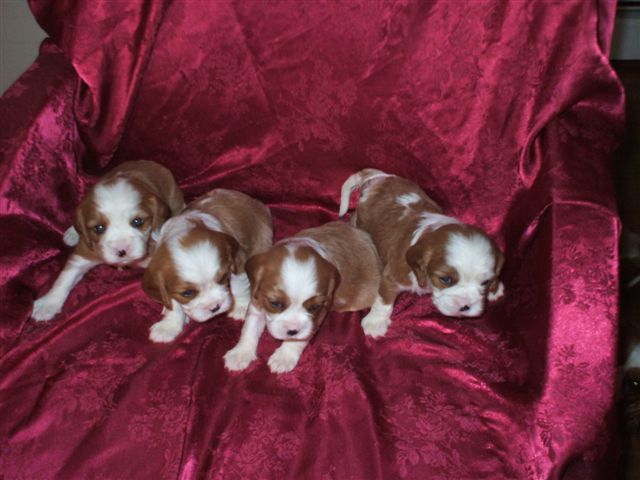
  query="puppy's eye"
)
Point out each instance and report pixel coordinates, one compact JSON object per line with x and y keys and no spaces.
{"x":314,"y":307}
{"x":224,"y":279}
{"x":137,"y":222}
{"x":188,"y":294}
{"x":99,"y":229}
{"x":276,"y":304}
{"x":446,"y":280}
{"x":486,"y":283}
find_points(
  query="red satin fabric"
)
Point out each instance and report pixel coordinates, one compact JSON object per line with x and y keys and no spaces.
{"x":506,"y":112}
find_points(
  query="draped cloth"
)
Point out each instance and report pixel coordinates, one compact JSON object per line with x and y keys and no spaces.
{"x":505,"y":112}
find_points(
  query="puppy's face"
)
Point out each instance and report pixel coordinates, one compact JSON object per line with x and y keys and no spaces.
{"x":116,"y":219}
{"x":294,"y":286}
{"x":461,"y":264}
{"x":193,"y":269}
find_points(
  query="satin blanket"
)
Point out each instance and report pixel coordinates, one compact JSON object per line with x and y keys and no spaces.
{"x":504,"y":111}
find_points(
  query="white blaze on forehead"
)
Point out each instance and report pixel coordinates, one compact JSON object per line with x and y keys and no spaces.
{"x":117,"y":201}
{"x":407,"y":199}
{"x":431,"y":221}
{"x":472,"y":256}
{"x":299,"y":279}
{"x":198,"y":263}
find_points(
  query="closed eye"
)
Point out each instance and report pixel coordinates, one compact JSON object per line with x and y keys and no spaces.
{"x":224,"y":279}
{"x":486,"y":283}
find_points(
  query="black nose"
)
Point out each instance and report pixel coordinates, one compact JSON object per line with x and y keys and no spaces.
{"x":122,"y":253}
{"x":465,"y":308}
{"x":291,"y":333}
{"x":215,"y":309}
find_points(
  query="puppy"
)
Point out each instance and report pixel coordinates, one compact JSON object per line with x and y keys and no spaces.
{"x":198,"y":268}
{"x":422,"y":250}
{"x":295,"y":284}
{"x":113,"y":226}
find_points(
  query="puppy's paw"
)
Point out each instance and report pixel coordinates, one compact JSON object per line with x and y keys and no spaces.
{"x":238,"y":359}
{"x":375,"y":324}
{"x":492,"y":297}
{"x":164,"y":332}
{"x":239,"y":311}
{"x":71,"y":237}
{"x":45,"y":308}
{"x":283,"y":360}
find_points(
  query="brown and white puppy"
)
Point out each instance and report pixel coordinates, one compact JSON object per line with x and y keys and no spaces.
{"x":422,"y":250}
{"x":295,"y":284}
{"x":114,"y":224}
{"x":198,"y":268}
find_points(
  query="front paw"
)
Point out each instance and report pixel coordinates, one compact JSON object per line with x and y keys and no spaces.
{"x":239,"y":311}
{"x":375,"y":324}
{"x":164,"y":332}
{"x":283,"y":360}
{"x":499,"y":293}
{"x":238,"y":359}
{"x":45,"y":308}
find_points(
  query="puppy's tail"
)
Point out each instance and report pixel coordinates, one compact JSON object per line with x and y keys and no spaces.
{"x":71,"y":237}
{"x":354,"y":182}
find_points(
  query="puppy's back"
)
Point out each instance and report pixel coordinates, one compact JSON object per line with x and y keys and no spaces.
{"x":245,"y":218}
{"x":353,"y":253}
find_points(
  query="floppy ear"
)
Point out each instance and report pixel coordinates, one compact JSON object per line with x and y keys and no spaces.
{"x":231,"y":250}
{"x":153,"y":285}
{"x":493,"y":288}
{"x":160,"y":211}
{"x":80,"y":224}
{"x":254,"y":269}
{"x":334,"y":281}
{"x":499,"y":262}
{"x":418,"y":257}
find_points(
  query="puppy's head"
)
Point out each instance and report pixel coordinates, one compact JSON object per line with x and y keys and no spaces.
{"x":116,"y":218}
{"x":294,"y":286}
{"x":194,"y":269}
{"x":461,"y":265}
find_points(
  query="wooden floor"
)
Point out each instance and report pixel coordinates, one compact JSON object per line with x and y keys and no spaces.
{"x":628,"y":192}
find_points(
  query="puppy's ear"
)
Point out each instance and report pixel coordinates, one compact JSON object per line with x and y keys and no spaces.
{"x":493,"y":288}
{"x":160,"y":211}
{"x":80,"y":223}
{"x":255,"y":269}
{"x":230,"y":251}
{"x":418,"y":257}
{"x":154,"y":286}
{"x":499,"y":262}
{"x":334,"y":281}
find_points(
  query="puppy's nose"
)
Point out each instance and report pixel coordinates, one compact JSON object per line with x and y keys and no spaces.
{"x":214,"y":309}
{"x":292,"y":333}
{"x":465,"y":308}
{"x":122,"y":253}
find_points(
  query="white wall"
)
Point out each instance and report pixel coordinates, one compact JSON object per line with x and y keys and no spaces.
{"x":626,"y":34}
{"x":20,"y":37}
